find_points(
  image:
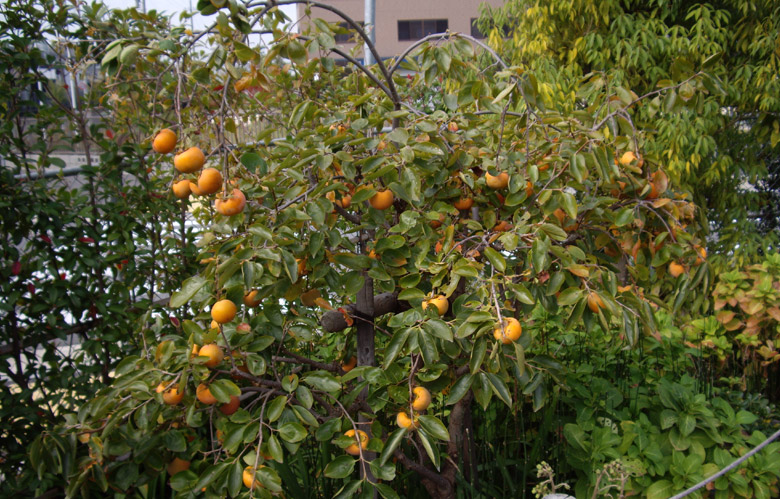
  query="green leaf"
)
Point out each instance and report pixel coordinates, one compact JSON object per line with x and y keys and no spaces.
{"x":399,"y":135}
{"x":386,"y":491}
{"x":443,"y":59}
{"x":522,"y":294}
{"x":392,"y":443}
{"x":275,"y":408}
{"x":569,"y":296}
{"x":341,"y":467}
{"x":269,"y":478}
{"x":435,"y":427}
{"x":394,"y":347}
{"x":438,"y":328}
{"x":624,"y":217}
{"x":174,"y":441}
{"x":662,"y":489}
{"x":188,"y":289}
{"x":292,"y":432}
{"x":348,"y":490}
{"x":477,"y":355}
{"x":223,"y":389}
{"x":686,"y":424}
{"x":746,"y":418}
{"x":504,"y":93}
{"x":460,"y":389}
{"x":575,"y":436}
{"x":209,"y":476}
{"x":129,"y":54}
{"x":496,"y":259}
{"x":243,"y":52}
{"x":429,"y":449}
{"x":569,"y":204}
{"x":500,"y":388}
{"x":322,"y":380}
{"x":297,"y":52}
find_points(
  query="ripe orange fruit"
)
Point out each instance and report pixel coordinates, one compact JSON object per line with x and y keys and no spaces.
{"x":595,"y":302}
{"x":349,"y":365}
{"x":178,"y":465}
{"x":248,"y":477}
{"x":165,"y":141}
{"x":382,"y":200}
{"x":512,"y":331}
{"x":301,"y":266}
{"x":627,"y":158}
{"x":204,"y":395}
{"x":251,"y":299}
{"x":172,"y":396}
{"x":702,"y":255}
{"x":210,"y":181}
{"x":232,"y":205}
{"x":213,"y":352}
{"x":223,"y":311}
{"x":675,"y":269}
{"x":502,"y":226}
{"x":440,"y":302}
{"x":529,"y":189}
{"x":194,"y":188}
{"x":437,"y":223}
{"x":362,"y":438}
{"x":404,"y":421}
{"x":231,"y":407}
{"x":181,"y":189}
{"x":463,"y":203}
{"x":500,"y":181}
{"x":190,"y":160}
{"x":422,"y":398}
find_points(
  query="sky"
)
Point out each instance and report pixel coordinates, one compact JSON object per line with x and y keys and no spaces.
{"x":176,"y":6}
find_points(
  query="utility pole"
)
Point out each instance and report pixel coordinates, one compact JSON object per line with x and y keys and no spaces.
{"x":369,"y":25}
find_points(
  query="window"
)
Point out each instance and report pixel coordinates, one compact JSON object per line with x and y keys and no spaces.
{"x":476,"y":33}
{"x":417,"y":29}
{"x":351,"y":36}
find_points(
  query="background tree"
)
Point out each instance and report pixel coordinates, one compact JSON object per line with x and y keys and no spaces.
{"x":718,"y":144}
{"x":85,"y":251}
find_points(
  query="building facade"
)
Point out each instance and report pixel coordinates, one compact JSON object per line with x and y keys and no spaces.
{"x":399,"y":23}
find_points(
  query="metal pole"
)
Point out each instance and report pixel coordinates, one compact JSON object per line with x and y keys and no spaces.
{"x":369,"y":23}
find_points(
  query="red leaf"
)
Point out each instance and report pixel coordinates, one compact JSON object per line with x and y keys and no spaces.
{"x":31,"y":288}
{"x":16,"y":268}
{"x":46,"y":239}
{"x":174,"y":321}
{"x":347,"y":318}
{"x":62,"y":276}
{"x":86,"y":240}
{"x":109,"y":134}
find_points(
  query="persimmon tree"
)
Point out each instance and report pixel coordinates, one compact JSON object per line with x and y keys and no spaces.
{"x":371,"y":284}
